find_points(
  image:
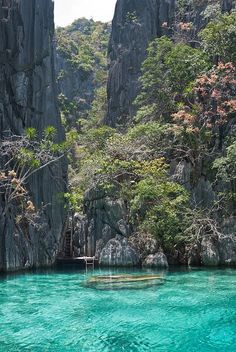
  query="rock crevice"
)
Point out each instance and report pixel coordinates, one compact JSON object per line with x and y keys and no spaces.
{"x":28,"y":98}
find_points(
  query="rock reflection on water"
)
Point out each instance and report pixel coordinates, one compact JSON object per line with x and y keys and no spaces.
{"x":124,"y":281}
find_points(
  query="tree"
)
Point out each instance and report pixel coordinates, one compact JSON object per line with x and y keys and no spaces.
{"x":155,"y":95}
{"x":219,"y":38}
{"x":226,"y":165}
{"x":159,"y":207}
{"x":21,"y":158}
{"x":167,"y":75}
{"x":184,"y":64}
{"x":216,"y":94}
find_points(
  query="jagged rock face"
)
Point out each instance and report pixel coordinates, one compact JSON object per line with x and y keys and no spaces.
{"x":75,"y":84}
{"x":209,"y":252}
{"x":118,"y":252}
{"x":28,"y":98}
{"x":81,"y":51}
{"x":228,"y":5}
{"x":135,"y":23}
{"x":144,"y":244}
{"x":201,"y":190}
{"x":157,"y":260}
{"x":105,"y":217}
{"x":214,"y":252}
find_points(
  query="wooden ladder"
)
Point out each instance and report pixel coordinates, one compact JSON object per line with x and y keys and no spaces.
{"x":68,"y":244}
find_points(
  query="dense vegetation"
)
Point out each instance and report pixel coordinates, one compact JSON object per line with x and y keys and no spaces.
{"x":185,"y":105}
{"x":83,"y":46}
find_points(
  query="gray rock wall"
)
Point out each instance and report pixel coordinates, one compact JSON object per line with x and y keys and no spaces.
{"x":28,"y":98}
{"x":75,"y":84}
{"x":106,"y":217}
{"x":135,"y":23}
{"x":78,"y":80}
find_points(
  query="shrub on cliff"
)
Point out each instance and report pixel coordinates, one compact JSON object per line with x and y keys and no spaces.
{"x":22,"y":157}
{"x":219,"y":38}
{"x":167,"y":76}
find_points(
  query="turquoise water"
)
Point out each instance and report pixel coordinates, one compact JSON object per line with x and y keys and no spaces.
{"x":55,"y":311}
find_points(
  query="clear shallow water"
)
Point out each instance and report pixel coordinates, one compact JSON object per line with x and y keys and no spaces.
{"x":54,"y":311}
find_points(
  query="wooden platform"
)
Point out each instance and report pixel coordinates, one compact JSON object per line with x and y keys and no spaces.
{"x":82,"y":262}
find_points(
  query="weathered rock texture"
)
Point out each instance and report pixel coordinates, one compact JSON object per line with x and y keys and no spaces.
{"x":75,"y":82}
{"x":117,"y":252}
{"x":135,"y":23}
{"x":144,"y":244}
{"x":214,"y":252}
{"x":106,"y":217}
{"x":157,"y":260}
{"x":28,"y":99}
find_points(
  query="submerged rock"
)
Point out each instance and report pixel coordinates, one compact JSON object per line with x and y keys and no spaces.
{"x":118,"y":252}
{"x":124,"y":281}
{"x":157,"y":260}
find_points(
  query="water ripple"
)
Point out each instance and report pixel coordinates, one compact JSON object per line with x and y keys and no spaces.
{"x":192,"y":311}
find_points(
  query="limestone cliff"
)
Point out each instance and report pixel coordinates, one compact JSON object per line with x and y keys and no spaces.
{"x":81,"y":66}
{"x":28,"y":98}
{"x":135,"y":23}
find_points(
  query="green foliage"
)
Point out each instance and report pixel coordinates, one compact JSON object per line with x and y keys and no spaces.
{"x":95,"y":139}
{"x":152,"y":131}
{"x":27,"y":158}
{"x":159,"y":206}
{"x":38,"y":150}
{"x":31,"y":133}
{"x":84,"y":44}
{"x":181,"y":95}
{"x":50,"y":132}
{"x":185,"y":64}
{"x":185,"y":6}
{"x":66,"y":107}
{"x":226,"y":165}
{"x":212,"y":11}
{"x":98,"y":108}
{"x":127,"y":166}
{"x":155,"y":61}
{"x":24,"y":156}
{"x":219,"y":38}
{"x":168,"y":71}
{"x":74,"y":199}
